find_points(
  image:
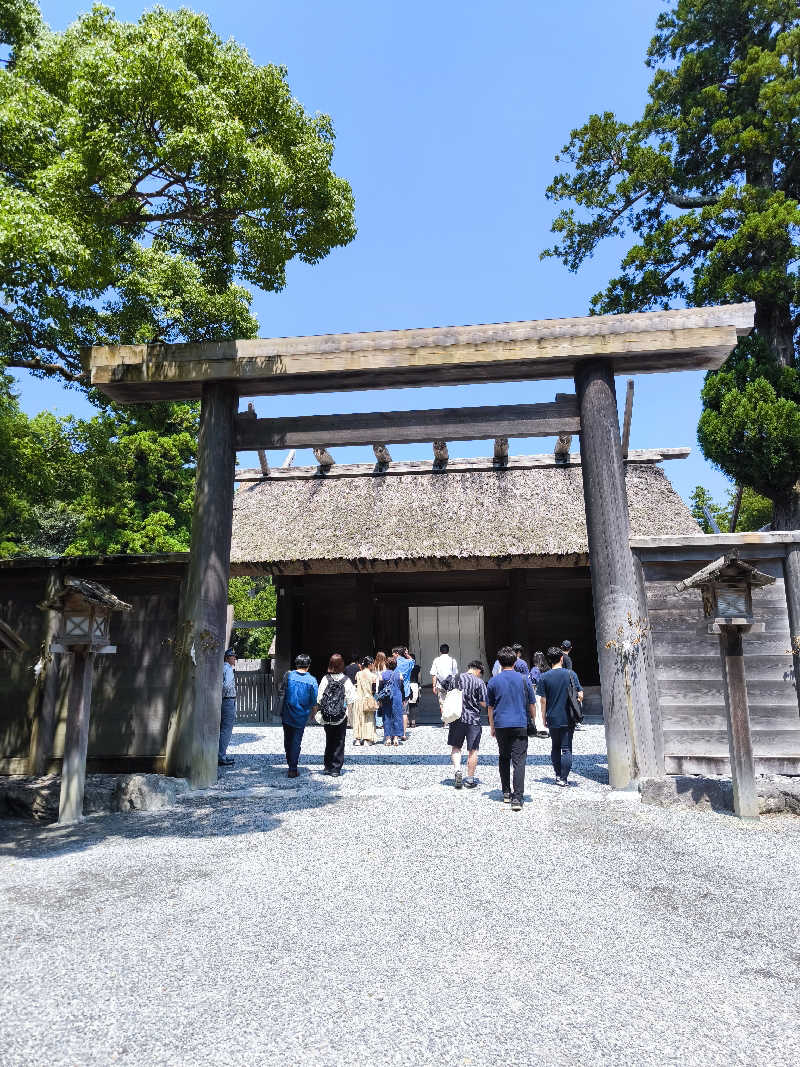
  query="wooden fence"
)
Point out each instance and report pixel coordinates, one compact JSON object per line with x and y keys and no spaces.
{"x":253,"y":691}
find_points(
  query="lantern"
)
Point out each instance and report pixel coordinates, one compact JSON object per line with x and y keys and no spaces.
{"x":85,"y":610}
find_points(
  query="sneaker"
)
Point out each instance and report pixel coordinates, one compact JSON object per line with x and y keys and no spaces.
{"x":516,"y":805}
{"x":292,"y":773}
{"x":506,"y":798}
{"x":226,"y":761}
{"x":561,"y":782}
{"x":459,"y":780}
{"x":470,"y":783}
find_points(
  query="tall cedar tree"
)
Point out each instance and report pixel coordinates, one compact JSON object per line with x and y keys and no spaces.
{"x":708,"y":183}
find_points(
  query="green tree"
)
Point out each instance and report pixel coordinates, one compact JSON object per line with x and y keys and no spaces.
{"x":253,"y":600}
{"x":40,"y":475}
{"x":150,"y":172}
{"x":754,"y":511}
{"x":707,"y":181}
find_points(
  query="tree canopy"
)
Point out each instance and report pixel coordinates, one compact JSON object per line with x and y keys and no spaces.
{"x":150,"y":172}
{"x":707,"y":183}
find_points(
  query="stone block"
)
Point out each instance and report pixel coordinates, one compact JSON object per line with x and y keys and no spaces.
{"x":776,"y":793}
{"x":146,"y":792}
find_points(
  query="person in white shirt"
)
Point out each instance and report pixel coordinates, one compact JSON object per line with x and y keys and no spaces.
{"x":444,"y":671}
{"x":335,"y":697}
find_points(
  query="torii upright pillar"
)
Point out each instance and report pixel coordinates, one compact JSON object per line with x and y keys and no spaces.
{"x":633,"y":739}
{"x":194,"y":728}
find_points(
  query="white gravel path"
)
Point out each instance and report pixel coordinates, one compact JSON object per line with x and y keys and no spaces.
{"x":384,"y":918}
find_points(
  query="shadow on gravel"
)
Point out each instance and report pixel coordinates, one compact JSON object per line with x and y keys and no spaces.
{"x":206,"y":813}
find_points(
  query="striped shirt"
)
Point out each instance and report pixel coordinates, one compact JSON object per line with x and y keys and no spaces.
{"x":473,"y":691}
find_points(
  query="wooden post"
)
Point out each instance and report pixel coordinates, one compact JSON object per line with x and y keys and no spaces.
{"x":518,"y":614}
{"x":791,"y":585}
{"x":284,"y":626}
{"x":193,"y":738}
{"x":633,"y":743}
{"x":45,"y":693}
{"x":740,"y":742}
{"x":364,"y":621}
{"x":76,"y":739}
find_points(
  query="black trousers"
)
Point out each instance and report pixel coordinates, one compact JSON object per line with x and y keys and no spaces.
{"x":561,"y":750}
{"x":334,"y":746}
{"x":512,"y":744}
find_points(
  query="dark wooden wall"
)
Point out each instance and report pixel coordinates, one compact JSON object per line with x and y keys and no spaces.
{"x":689,"y":674}
{"x":556,"y":604}
{"x":132,"y":695}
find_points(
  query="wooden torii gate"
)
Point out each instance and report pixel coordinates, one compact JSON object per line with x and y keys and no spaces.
{"x":592,"y":350}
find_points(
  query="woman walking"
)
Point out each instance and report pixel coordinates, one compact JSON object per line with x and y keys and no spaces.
{"x":378,"y":667}
{"x":365,"y":704}
{"x":390,"y":688}
{"x":336,"y":694}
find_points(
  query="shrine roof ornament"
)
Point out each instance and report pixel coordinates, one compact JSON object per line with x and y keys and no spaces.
{"x":686,"y":339}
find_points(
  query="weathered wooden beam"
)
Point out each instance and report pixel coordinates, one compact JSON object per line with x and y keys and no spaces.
{"x":289,"y":459}
{"x":262,"y":455}
{"x":712,"y":522}
{"x":500,"y":451}
{"x":562,"y":447}
{"x":193,"y":736}
{"x":477,"y":463}
{"x":412,"y":427}
{"x":634,"y":738}
{"x":323,"y":457}
{"x":440,"y":453}
{"x":511,"y":351}
{"x":76,"y":737}
{"x":626,"y":420}
{"x":740,"y":739}
{"x":382,"y":455}
{"x":737,"y":504}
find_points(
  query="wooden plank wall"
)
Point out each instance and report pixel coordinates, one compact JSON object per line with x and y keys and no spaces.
{"x":689,"y":673}
{"x":132,"y":695}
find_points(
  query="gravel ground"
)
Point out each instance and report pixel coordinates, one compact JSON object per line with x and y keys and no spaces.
{"x":384,"y":918}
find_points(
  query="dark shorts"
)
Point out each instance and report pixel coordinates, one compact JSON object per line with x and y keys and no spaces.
{"x":460,"y":732}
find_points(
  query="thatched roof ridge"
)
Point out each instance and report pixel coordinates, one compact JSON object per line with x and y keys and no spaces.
{"x":464,"y":515}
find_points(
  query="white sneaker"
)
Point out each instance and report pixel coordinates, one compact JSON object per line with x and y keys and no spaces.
{"x":459,"y":780}
{"x":561,"y":782}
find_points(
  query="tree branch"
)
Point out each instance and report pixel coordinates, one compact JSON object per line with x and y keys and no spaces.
{"x":49,"y":368}
{"x":690,"y":201}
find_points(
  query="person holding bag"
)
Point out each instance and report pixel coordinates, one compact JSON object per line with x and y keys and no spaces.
{"x":390,"y":697}
{"x":364,"y":705}
{"x":562,"y":697}
{"x":336,"y":694}
{"x":471,"y":688}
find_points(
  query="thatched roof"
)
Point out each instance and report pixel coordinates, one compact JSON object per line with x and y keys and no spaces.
{"x":486,"y":517}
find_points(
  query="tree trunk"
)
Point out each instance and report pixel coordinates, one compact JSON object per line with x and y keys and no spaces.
{"x":773,"y":322}
{"x":786,"y":509}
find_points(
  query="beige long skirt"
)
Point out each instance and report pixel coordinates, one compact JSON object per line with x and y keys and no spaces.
{"x":363,"y":721}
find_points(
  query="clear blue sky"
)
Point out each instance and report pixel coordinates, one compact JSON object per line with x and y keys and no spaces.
{"x":448,"y":116}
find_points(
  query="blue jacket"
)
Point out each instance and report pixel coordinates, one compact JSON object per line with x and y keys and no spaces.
{"x":299,"y":697}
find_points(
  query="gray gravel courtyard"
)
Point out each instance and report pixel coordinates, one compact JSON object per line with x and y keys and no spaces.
{"x":384,"y":918}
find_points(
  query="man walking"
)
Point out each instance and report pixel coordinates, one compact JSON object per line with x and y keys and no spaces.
{"x":299,"y":690}
{"x":553,"y":688}
{"x":566,"y":648}
{"x":468,"y":728}
{"x":444,"y":671}
{"x":511,"y":705}
{"x":228,"y":714}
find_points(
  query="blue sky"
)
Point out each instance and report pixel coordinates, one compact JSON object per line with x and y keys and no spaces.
{"x":448,"y":116}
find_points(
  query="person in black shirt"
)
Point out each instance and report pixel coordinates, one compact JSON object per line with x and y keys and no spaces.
{"x":566,"y":648}
{"x":553,"y":688}
{"x":414,"y":701}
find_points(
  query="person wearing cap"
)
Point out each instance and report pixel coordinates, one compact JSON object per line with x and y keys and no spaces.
{"x":228,"y":714}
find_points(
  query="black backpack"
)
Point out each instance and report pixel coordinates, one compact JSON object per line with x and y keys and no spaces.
{"x":332,"y":705}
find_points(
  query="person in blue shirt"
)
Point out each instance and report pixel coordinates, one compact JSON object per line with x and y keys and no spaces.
{"x":511,"y":704}
{"x":390,"y":684}
{"x":228,"y":712}
{"x":553,"y":688}
{"x":405,"y":665}
{"x":299,"y":689}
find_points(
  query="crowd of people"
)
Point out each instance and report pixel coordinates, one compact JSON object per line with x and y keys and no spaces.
{"x":519,"y":701}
